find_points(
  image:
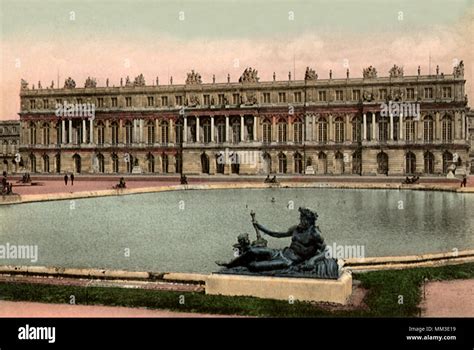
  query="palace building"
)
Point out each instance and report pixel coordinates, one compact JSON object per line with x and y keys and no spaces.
{"x":10,"y":144}
{"x":391,"y":125}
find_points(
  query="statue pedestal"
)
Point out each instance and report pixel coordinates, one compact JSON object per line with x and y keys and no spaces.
{"x":282,"y":288}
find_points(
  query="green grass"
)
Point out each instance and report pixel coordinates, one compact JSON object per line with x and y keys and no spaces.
{"x":385,"y":289}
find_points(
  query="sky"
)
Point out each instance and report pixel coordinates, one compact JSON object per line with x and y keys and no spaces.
{"x":44,"y":40}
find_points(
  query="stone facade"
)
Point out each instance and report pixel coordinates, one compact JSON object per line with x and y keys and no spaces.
{"x":9,"y":145}
{"x":364,"y":126}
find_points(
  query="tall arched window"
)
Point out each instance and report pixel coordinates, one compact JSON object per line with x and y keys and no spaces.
{"x":339,"y":129}
{"x":100,"y":133}
{"x":220,"y":163}
{"x":206,"y":129}
{"x":428,"y":129}
{"x":282,"y":128}
{"x":356,"y":129}
{"x":115,"y":137}
{"x":32,"y":133}
{"x":297,"y":130}
{"x":100,"y":163}
{"x":115,"y":163}
{"x":429,"y":163}
{"x":357,"y":162}
{"x":221,"y":136}
{"x":204,"y":163}
{"x":410,"y":129}
{"x":322,"y":163}
{"x":322,"y":130}
{"x":164,"y":132}
{"x":150,"y":132}
{"x":128,"y":132}
{"x":383,"y":129}
{"x":59,"y":133}
{"x":382,"y":163}
{"x":57,"y":158}
{"x":282,"y":163}
{"x":150,"y":162}
{"x":410,"y":166}
{"x":266,"y":131}
{"x":447,"y":129}
{"x":298,"y":163}
{"x":447,"y":161}
{"x":45,"y":163}
{"x":164,"y":163}
{"x":33,"y":163}
{"x":235,"y":130}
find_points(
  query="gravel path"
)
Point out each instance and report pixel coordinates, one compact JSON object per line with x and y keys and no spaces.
{"x":449,"y":299}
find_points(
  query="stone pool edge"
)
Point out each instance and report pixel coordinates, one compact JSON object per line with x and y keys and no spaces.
{"x":32,"y":198}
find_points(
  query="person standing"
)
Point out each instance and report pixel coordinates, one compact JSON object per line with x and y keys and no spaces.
{"x":65,"y":179}
{"x":464,"y":181}
{"x":72,"y":179}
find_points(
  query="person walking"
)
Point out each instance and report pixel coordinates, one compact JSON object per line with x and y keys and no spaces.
{"x":65,"y":179}
{"x":72,"y":179}
{"x":464,"y":181}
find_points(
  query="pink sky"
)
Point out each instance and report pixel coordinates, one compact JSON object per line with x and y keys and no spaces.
{"x":107,"y":57}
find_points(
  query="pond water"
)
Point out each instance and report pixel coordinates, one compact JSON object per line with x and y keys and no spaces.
{"x":186,"y":231}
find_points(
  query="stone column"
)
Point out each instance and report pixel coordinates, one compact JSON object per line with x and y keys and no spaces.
{"x":157,"y":135}
{"x":185,"y":130}
{"x":330,"y":129}
{"x":84,"y":131}
{"x":141,"y":130}
{"x":197,"y":129}
{"x":254,"y":128}
{"x":347,"y":129}
{"x":134,"y":131}
{"x":212,"y":130}
{"x":63,"y":131}
{"x":365,"y":127}
{"x":226,"y":128}
{"x":242,"y":133}
{"x":70,"y":130}
{"x":172,"y":132}
{"x":274,"y":130}
{"x":401,"y":126}
{"x":374,"y":128}
{"x":391,"y":126}
{"x":91,"y":131}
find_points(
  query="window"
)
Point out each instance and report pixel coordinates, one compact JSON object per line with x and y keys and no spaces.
{"x":32,"y":134}
{"x":221,"y":136}
{"x":114,"y":101}
{"x":410,"y":93}
{"x":206,"y":127}
{"x":128,"y":101}
{"x":282,"y":163}
{"x":298,"y":131}
{"x":410,"y":166}
{"x":236,"y":99}
{"x":322,"y":95}
{"x":179,"y":132}
{"x":429,"y":92}
{"x":150,"y":132}
{"x":282,"y":97}
{"x":266,"y":131}
{"x":355,"y":95}
{"x":429,"y":163}
{"x":32,"y":104}
{"x":114,"y":134}
{"x":100,"y":102}
{"x":115,"y":163}
{"x":128,"y":132}
{"x":297,"y":97}
{"x":428,"y":129}
{"x":339,"y":128}
{"x":282,"y":127}
{"x":446,"y":92}
{"x":410,"y":129}
{"x":164,"y":101}
{"x":339,"y":95}
{"x":356,"y":129}
{"x":164,"y":132}
{"x":221,"y":99}
{"x":383,"y":129}
{"x":100,"y":133}
{"x":235,"y":131}
{"x":151,"y":101}
{"x":179,"y":100}
{"x":266,"y":97}
{"x":45,"y":134}
{"x":46,"y":103}
{"x":298,"y":163}
{"x":207,"y":100}
{"x":322,"y":130}
{"x":447,"y":129}
{"x":383,"y":94}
